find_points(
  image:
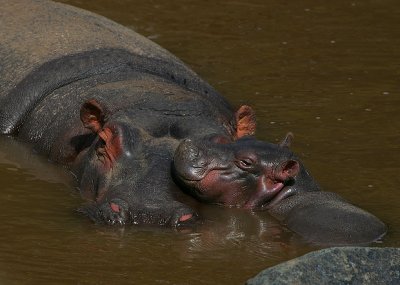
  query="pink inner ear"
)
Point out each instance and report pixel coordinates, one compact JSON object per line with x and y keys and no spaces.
{"x":113,"y":146}
{"x":245,"y":121}
{"x":92,"y":115}
{"x":93,"y":124}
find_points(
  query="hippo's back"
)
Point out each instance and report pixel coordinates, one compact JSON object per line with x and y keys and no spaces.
{"x":46,"y":45}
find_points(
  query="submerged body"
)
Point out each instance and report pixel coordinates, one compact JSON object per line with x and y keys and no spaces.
{"x":116,"y":109}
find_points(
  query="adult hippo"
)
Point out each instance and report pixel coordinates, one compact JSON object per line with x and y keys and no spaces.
{"x":113,"y":107}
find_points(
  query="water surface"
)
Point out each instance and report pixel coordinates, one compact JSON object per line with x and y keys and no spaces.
{"x":329,"y":72}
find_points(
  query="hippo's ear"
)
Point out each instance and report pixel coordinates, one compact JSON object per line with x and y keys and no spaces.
{"x":93,"y":115}
{"x":245,"y":121}
{"x":287,"y":141}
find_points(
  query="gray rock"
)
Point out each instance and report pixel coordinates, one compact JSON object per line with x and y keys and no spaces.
{"x":338,"y":265}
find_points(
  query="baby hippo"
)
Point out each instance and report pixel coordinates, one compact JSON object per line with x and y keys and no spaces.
{"x":248,"y":173}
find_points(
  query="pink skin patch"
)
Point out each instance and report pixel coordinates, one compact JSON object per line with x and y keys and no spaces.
{"x":266,"y":191}
{"x":115,"y":207}
{"x":185,"y":217}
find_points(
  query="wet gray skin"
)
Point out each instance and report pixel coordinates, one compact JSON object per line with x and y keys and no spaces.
{"x":246,"y":173}
{"x":262,"y":176}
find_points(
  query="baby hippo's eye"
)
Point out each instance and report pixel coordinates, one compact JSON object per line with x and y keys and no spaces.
{"x":244,"y":163}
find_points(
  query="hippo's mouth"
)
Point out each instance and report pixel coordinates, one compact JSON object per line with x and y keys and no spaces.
{"x":284,"y":190}
{"x":278,"y":185}
{"x":266,"y":193}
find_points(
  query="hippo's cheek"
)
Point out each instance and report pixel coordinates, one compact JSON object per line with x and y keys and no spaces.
{"x":219,"y":188}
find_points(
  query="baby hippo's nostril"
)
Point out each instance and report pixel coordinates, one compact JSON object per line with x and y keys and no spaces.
{"x":292,"y":168}
{"x":287,"y":170}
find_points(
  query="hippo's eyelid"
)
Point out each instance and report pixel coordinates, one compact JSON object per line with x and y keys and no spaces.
{"x":245,"y":163}
{"x":247,"y":156}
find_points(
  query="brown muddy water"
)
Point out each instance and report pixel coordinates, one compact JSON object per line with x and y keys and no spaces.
{"x":329,"y":71}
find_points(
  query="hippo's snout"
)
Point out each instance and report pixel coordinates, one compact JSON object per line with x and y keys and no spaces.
{"x":188,"y":150}
{"x":190,"y":161}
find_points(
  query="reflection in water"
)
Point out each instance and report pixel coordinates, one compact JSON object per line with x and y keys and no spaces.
{"x":43,"y":237}
{"x":238,"y":229}
{"x":326,"y":71}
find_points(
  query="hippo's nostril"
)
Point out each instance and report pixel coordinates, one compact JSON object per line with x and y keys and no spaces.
{"x":185,"y":217}
{"x":115,"y":207}
{"x":194,"y":152}
{"x":189,"y":151}
{"x":287,"y":170}
{"x":186,"y":221}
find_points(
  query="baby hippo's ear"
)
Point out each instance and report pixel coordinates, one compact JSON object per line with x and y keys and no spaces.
{"x":287,"y":141}
{"x":93,"y":115}
{"x":245,"y":121}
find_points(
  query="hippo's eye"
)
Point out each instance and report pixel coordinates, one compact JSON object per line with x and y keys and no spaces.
{"x":244,"y":163}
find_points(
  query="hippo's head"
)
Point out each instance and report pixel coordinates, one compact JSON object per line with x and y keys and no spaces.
{"x":122,"y":170}
{"x":244,"y":173}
